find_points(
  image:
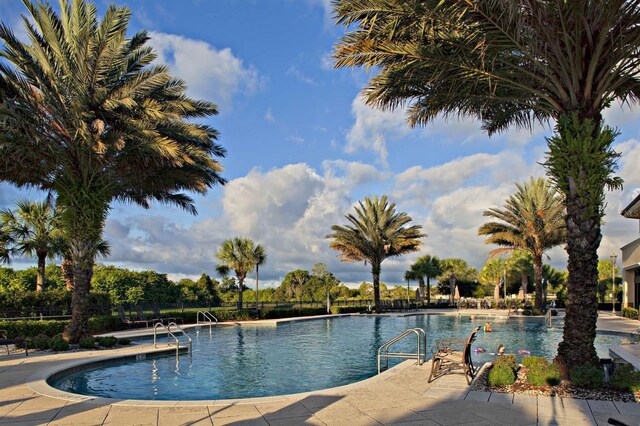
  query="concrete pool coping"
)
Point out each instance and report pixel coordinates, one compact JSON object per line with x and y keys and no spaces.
{"x":399,"y":395}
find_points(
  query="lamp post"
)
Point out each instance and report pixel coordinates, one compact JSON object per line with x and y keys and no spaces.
{"x":613,"y":281}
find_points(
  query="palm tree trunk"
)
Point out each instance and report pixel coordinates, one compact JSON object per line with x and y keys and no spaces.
{"x":428,"y":290}
{"x":82,"y":256}
{"x":42,"y":260}
{"x":240,"y":291}
{"x":421,"y":287}
{"x":375,"y":271}
{"x":537,"y":278}
{"x":67,"y":273}
{"x":257,"y":281}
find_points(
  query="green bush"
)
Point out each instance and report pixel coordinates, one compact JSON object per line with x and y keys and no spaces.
{"x":32,"y":328}
{"x":58,"y":344}
{"x":542,"y":373}
{"x":527,"y":312}
{"x":41,"y":342}
{"x":534,"y":362}
{"x":347,"y":309}
{"x":536,"y":311}
{"x":626,"y":378}
{"x":107,"y":341}
{"x":105,"y":323}
{"x":507,"y":360}
{"x":88,"y":342}
{"x":630,"y":312}
{"x":124,"y":342}
{"x":501,"y":375}
{"x":587,"y":376}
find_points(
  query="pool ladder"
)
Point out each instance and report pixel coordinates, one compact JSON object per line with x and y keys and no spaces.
{"x":207,"y":318}
{"x":170,"y":335}
{"x":419,"y":355}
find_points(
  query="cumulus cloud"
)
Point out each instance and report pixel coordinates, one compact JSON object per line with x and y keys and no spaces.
{"x":214,"y":74}
{"x":372,"y":128}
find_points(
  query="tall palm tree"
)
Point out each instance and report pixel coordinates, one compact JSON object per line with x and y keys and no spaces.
{"x":5,"y":246}
{"x":35,"y":229}
{"x":376,"y":232}
{"x":237,"y":254}
{"x":410,"y":275}
{"x":511,"y":63}
{"x":532,"y":219}
{"x":86,"y":116}
{"x":260,"y":258}
{"x":426,"y":267}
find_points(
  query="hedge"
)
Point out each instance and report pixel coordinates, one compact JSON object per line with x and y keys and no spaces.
{"x":348,"y":309}
{"x":630,"y":312}
{"x":31,"y":328}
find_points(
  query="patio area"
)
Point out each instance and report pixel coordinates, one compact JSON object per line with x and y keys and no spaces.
{"x":398,"y":396}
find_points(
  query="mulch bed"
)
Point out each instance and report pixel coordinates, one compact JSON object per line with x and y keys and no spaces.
{"x":564,"y":389}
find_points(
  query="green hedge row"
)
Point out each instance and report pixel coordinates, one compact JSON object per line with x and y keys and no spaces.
{"x":348,"y":309}
{"x":630,"y":312}
{"x":32,"y":328}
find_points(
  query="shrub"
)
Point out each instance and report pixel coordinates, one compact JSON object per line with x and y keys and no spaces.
{"x":88,"y":342}
{"x":587,"y":376}
{"x":626,"y":378}
{"x":507,"y":360}
{"x":527,"y":312}
{"x":630,"y":312}
{"x":58,"y":344}
{"x":32,"y":328}
{"x":41,"y":342}
{"x":530,"y":362}
{"x":124,"y":342}
{"x":541,"y":374}
{"x":536,"y":312}
{"x":105,"y":323}
{"x":348,"y":309}
{"x":107,"y":341}
{"x":501,"y":375}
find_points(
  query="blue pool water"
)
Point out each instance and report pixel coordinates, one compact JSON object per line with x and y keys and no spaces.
{"x":241,"y":362}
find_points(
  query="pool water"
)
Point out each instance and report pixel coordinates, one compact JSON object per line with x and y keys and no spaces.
{"x":242,"y":362}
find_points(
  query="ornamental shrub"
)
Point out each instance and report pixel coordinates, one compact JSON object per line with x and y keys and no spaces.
{"x":629,"y":312}
{"x":124,"y":342}
{"x":88,"y":342}
{"x":32,"y":328}
{"x":507,"y":360}
{"x":542,"y":373}
{"x":531,"y":362}
{"x":501,"y":375}
{"x":626,"y":378}
{"x":41,"y":342}
{"x":107,"y":341}
{"x":587,"y":376}
{"x":58,"y":344}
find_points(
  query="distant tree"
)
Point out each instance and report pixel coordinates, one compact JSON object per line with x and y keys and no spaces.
{"x":411,"y":275}
{"x":36,"y":231}
{"x":237,"y":254}
{"x":259,"y":258}
{"x":207,"y":290}
{"x":374,"y":233}
{"x":366,"y":291}
{"x":532,"y":219}
{"x":295,"y":282}
{"x":520,"y":270}
{"x":454,"y":271}
{"x":428,"y":267}
{"x":605,"y":276}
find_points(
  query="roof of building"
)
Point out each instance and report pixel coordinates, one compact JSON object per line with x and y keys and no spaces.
{"x":632,"y":211}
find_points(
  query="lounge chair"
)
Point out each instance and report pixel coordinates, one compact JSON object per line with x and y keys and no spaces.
{"x":453,"y":354}
{"x":143,"y":317}
{"x":5,"y":341}
{"x":126,"y":320}
{"x":167,"y":320}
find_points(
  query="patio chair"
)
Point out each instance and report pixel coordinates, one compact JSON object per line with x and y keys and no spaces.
{"x":157,"y":314}
{"x":5,"y":341}
{"x":126,"y":320}
{"x":453,"y":354}
{"x":143,"y":317}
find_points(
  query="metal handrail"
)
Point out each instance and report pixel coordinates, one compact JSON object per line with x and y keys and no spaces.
{"x":170,"y":334}
{"x":208,"y":316}
{"x":421,"y":343}
{"x":547,"y":319}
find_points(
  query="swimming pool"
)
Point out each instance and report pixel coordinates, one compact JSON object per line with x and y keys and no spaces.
{"x":242,"y":362}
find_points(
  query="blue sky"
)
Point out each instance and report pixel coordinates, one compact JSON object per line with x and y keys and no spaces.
{"x":303,"y":148}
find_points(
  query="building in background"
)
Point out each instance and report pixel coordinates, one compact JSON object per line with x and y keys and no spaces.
{"x":631,"y":259}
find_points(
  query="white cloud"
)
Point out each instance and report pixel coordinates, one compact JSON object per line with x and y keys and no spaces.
{"x":619,"y":114}
{"x":268,"y":116}
{"x":327,"y":61}
{"x":295,"y":72}
{"x":213,"y":74}
{"x":372,"y":128}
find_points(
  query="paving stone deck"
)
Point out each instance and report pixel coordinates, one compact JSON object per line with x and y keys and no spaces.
{"x":400,"y":396}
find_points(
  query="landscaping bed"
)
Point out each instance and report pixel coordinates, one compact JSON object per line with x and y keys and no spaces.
{"x":538,"y":377}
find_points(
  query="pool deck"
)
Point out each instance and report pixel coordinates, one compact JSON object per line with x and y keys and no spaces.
{"x":398,"y":396}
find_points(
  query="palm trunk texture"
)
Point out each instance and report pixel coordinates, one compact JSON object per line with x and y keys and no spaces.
{"x":428,"y":291}
{"x":375,"y":271}
{"x":67,"y":273}
{"x":537,"y":279}
{"x":42,"y":259}
{"x":240,"y":291}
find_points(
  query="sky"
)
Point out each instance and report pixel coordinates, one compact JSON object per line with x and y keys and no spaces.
{"x":303,"y":149}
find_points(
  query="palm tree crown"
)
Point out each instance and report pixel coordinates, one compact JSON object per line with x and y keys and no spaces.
{"x":87,"y":116}
{"x":426,"y":266}
{"x":238,"y":254}
{"x":532,"y":219}
{"x":375,"y":232}
{"x":35,"y":229}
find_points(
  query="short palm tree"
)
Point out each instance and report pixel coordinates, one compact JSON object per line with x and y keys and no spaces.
{"x":375,"y":232}
{"x":86,"y":116}
{"x":427,"y":267}
{"x":35,"y":229}
{"x":532,"y":219}
{"x":260,"y":258}
{"x":511,"y":63}
{"x":237,"y":254}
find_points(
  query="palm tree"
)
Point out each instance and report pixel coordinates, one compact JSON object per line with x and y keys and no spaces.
{"x":410,"y":275}
{"x":375,"y":233}
{"x":429,"y":267}
{"x":453,"y":270}
{"x":5,"y":246}
{"x":35,"y":229}
{"x":260,"y":258}
{"x":87,"y":117}
{"x":532,"y":219}
{"x":512,"y":63}
{"x":237,"y":254}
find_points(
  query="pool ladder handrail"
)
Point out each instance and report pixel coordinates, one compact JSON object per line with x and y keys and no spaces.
{"x":547,"y":319}
{"x":421,"y":347}
{"x":208,"y":316}
{"x":170,"y":334}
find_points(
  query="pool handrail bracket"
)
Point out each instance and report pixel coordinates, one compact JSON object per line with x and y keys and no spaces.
{"x":207,"y":318}
{"x":421,"y":347}
{"x":170,"y":334}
